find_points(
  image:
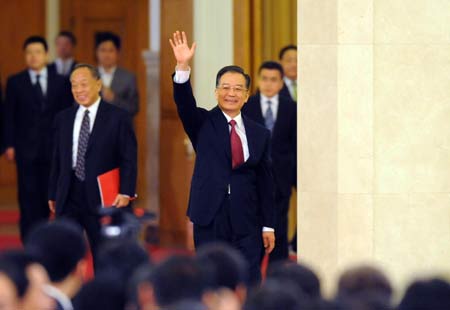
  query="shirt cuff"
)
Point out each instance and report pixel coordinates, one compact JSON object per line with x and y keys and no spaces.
{"x":128,"y":196}
{"x":268,"y":229}
{"x":181,"y":77}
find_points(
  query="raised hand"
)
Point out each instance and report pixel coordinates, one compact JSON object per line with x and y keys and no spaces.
{"x":183,"y":54}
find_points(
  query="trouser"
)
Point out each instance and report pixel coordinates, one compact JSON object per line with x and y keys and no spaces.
{"x":220,"y":229}
{"x":32,"y":180}
{"x":77,"y":209}
{"x":281,"y":250}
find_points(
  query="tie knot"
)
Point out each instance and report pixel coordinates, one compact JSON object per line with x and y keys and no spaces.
{"x":38,"y":76}
{"x":233,"y":123}
{"x":86,"y":112}
{"x":269,"y":102}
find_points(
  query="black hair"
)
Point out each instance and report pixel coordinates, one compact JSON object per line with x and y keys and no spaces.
{"x":304,"y":277}
{"x":101,"y":293}
{"x":271,"y":65}
{"x":69,"y":35}
{"x":121,"y":258}
{"x":235,"y":69}
{"x":14,"y":263}
{"x":426,"y":294}
{"x":229,"y":268}
{"x":59,"y":246}
{"x":178,"y":278}
{"x":101,"y":37}
{"x":35,"y":39}
{"x":94,"y":71}
{"x":285,"y":49}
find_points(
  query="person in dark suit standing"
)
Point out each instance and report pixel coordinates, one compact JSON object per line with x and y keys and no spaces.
{"x":119,"y":85}
{"x":288,"y":60}
{"x":278,"y":114}
{"x":65,"y":44}
{"x":231,"y":198}
{"x":33,"y":98}
{"x":91,"y":138}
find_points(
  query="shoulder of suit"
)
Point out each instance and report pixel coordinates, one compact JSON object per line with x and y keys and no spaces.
{"x":110,"y":108}
{"x":18,"y":75}
{"x":124,"y":72}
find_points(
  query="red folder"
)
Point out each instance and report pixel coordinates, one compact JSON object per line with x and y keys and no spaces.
{"x":108,"y":185}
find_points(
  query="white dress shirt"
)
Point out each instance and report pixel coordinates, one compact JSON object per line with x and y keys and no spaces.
{"x":181,"y":77}
{"x":43,"y":78}
{"x":107,"y":77}
{"x":290,"y":87}
{"x":63,"y":66}
{"x":77,"y":126}
{"x":273,"y":105}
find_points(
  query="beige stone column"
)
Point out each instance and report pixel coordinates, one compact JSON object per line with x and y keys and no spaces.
{"x":374,"y":137}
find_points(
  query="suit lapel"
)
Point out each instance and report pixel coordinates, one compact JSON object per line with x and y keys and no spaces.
{"x":98,"y":123}
{"x":116,"y":79}
{"x":223,"y":134}
{"x":69,"y":134}
{"x":251,"y":136}
{"x":30,"y":91}
{"x":280,"y":116}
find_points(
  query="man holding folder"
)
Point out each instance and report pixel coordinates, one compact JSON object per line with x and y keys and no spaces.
{"x":90,"y":139}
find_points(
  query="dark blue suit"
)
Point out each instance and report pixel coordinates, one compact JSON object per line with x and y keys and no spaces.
{"x":284,"y":158}
{"x":112,"y":144}
{"x":227,"y":204}
{"x":28,"y":128}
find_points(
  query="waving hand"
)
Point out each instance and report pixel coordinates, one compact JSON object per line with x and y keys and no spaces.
{"x":183,"y":54}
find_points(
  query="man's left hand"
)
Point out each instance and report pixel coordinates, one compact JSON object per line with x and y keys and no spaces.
{"x":107,"y":94}
{"x":121,"y":201}
{"x":268,"y":241}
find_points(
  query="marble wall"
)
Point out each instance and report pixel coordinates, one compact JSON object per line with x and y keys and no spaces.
{"x":374,"y":136}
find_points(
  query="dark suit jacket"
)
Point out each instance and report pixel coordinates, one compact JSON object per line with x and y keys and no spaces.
{"x":112,"y":144}
{"x":284,"y":139}
{"x":28,"y":127}
{"x":251,"y":184}
{"x":52,"y":67}
{"x":124,"y":87}
{"x":285,"y":93}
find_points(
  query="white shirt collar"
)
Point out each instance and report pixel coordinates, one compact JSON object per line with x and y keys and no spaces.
{"x":102,"y":71}
{"x":237,"y":118}
{"x":288,"y":81}
{"x":62,"y":298}
{"x":271,"y":99}
{"x":42,"y":73}
{"x":93,"y":108}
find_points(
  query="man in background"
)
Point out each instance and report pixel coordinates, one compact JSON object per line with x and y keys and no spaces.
{"x":65,"y":44}
{"x":33,"y":97}
{"x":119,"y":85}
{"x":278,"y":114}
{"x":288,"y":60}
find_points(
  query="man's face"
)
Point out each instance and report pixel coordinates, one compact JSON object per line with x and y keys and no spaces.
{"x":64,"y":47}
{"x":107,"y":54}
{"x":85,"y":88}
{"x":232,"y":93}
{"x":270,"y":82}
{"x":35,"y":56}
{"x":289,"y":64}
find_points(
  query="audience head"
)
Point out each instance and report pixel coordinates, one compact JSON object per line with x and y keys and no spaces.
{"x":60,"y":247}
{"x":36,"y":56}
{"x":178,"y":278}
{"x":232,"y":89}
{"x":288,"y":59}
{"x":426,"y":294}
{"x":101,"y":293}
{"x":65,"y":43}
{"x":365,"y":283}
{"x":303,"y":276}
{"x":120,"y":258}
{"x":270,"y":78}
{"x":107,"y":48}
{"x":86,"y":84}
{"x":227,"y":267}
{"x":140,"y":290}
{"x":277,"y":294}
{"x":28,"y":278}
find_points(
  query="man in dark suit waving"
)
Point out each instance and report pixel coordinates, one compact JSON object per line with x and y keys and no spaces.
{"x":231,"y":196}
{"x":279,"y":114}
{"x":90,"y":139}
{"x":33,"y":97}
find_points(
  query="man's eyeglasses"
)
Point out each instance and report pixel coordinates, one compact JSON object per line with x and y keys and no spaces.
{"x":228,"y":88}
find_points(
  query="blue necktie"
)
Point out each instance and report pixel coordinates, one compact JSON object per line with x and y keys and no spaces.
{"x":269,"y":120}
{"x":83,"y":140}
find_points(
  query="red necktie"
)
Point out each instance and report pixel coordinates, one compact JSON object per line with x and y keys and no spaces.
{"x":237,"y":153}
